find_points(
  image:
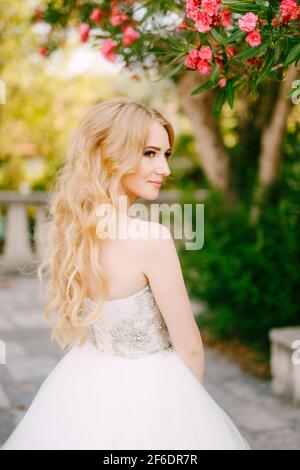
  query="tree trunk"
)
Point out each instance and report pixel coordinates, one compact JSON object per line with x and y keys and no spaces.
{"x":270,"y":159}
{"x":211,"y":152}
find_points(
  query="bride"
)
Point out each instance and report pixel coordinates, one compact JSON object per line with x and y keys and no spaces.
{"x":132,"y":374}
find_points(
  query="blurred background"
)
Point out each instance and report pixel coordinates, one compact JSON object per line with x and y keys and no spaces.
{"x":244,"y":283}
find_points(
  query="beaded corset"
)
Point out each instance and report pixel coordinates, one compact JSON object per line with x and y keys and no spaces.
{"x":130,"y":326}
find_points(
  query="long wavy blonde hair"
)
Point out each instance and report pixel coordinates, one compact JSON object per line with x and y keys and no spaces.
{"x":106,"y":146}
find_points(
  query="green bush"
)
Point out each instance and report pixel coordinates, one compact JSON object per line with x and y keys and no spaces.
{"x":186,"y":172}
{"x":249,"y":276}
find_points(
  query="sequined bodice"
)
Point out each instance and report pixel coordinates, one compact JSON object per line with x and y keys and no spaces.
{"x":131,"y":326}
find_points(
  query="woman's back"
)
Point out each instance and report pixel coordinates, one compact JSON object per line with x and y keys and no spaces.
{"x":122,"y":260}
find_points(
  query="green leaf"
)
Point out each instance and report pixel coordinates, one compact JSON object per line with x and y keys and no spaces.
{"x":177,"y":45}
{"x":241,"y":7}
{"x":293,"y":55}
{"x":215,"y":72}
{"x":219,"y":101}
{"x":171,"y":73}
{"x":233,"y":2}
{"x":206,"y":86}
{"x":210,"y":83}
{"x":236,"y":62}
{"x":270,"y":13}
{"x":269,"y":61}
{"x":183,"y":54}
{"x":217,"y":36}
{"x":251,"y":52}
{"x":235,"y":36}
{"x":278,"y":51}
{"x":237,"y":77}
{"x":230,"y":92}
{"x":261,"y":3}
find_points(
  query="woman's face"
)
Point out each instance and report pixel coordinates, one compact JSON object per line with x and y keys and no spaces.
{"x":153,"y":166}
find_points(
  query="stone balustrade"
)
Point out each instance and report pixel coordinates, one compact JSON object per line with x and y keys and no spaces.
{"x":285,"y":363}
{"x":18,"y":250}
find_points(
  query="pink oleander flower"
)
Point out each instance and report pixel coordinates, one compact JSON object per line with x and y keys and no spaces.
{"x":296,"y":14}
{"x":130,"y":35}
{"x":192,"y":59}
{"x":203,"y":67}
{"x":43,"y":51}
{"x":117,"y":18}
{"x":84,"y":32}
{"x":288,"y":7}
{"x":210,"y":6}
{"x":193,"y":9}
{"x":96,"y":15}
{"x":203,"y":23}
{"x":204,"y":13}
{"x":206,"y":53}
{"x":248,"y":22}
{"x":226,"y":18}
{"x":108,"y":48}
{"x":229,"y":51}
{"x":254,"y":38}
{"x":222,"y":82}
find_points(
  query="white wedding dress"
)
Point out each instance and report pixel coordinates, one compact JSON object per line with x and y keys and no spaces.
{"x":125,"y":388}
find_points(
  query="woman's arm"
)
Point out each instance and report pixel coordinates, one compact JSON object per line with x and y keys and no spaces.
{"x":195,"y":362}
{"x":162,"y":267}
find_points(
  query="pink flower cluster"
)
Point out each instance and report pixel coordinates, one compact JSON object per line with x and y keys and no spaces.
{"x":84,"y":29}
{"x":198,"y":60}
{"x":287,"y":7}
{"x":204,"y":13}
{"x":226,"y":18}
{"x":43,"y":51}
{"x":84,"y":32}
{"x":289,"y":10}
{"x":130,"y":35}
{"x":108,"y":49}
{"x":96,"y":15}
{"x":248,"y":23}
{"x":117,"y":18}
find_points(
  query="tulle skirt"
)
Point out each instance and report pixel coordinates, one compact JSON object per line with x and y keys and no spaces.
{"x":101,"y":402}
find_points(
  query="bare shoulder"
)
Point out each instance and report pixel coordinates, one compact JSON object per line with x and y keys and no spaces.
{"x":154,"y":243}
{"x":152,"y":234}
{"x":147,"y":242}
{"x":155,"y":231}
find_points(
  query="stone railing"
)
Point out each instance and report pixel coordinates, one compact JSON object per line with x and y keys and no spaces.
{"x":285,"y":363}
{"x":18,"y":251}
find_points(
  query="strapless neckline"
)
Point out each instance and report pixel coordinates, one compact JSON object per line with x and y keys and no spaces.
{"x":120,"y":299}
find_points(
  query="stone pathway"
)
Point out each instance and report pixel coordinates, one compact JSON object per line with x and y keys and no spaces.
{"x":265,"y":421}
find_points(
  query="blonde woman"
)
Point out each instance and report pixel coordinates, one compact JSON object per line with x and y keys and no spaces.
{"x":132,"y":376}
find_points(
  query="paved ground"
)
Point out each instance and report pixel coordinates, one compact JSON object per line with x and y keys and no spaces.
{"x":265,"y":421}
